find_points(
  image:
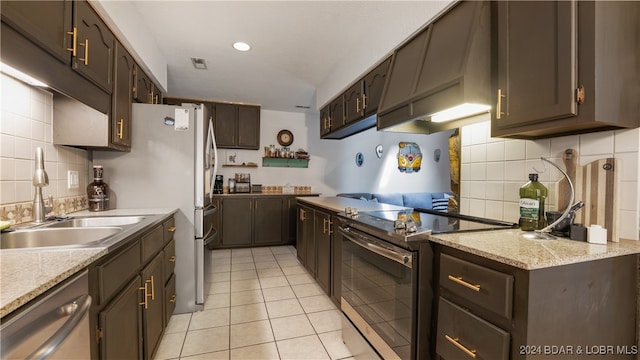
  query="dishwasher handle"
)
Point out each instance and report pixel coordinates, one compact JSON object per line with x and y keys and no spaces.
{"x":403,"y":257}
{"x":76,"y":310}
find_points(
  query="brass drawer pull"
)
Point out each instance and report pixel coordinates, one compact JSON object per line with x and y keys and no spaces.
{"x":173,"y":299}
{"x":145,"y":295}
{"x":459,"y":280}
{"x":86,"y":52}
{"x":153,"y":288}
{"x":171,"y":229}
{"x":455,"y":342}
{"x":172,"y":259}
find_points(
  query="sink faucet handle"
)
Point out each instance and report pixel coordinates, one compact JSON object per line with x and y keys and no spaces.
{"x":48,"y":209}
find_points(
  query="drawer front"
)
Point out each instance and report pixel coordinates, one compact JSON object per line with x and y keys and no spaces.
{"x":485,"y":287}
{"x":169,"y":298}
{"x":169,"y":260}
{"x":462,"y":335}
{"x":116,"y":271}
{"x":169,"y":228}
{"x":152,"y":243}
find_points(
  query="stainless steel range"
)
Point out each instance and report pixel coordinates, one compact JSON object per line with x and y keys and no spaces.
{"x":387,"y":276}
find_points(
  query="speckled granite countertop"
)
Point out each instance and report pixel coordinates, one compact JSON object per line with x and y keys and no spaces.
{"x":339,"y":203}
{"x":509,"y":247}
{"x":25,"y":274}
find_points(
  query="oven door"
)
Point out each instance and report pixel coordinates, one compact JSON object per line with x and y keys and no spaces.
{"x":379,"y":292}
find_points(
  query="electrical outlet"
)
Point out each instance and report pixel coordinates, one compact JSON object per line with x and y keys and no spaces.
{"x":72,"y":179}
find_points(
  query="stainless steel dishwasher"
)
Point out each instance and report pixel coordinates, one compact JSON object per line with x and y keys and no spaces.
{"x":55,"y":326}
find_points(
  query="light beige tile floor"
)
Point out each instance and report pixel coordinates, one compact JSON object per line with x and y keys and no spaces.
{"x":262,"y":305}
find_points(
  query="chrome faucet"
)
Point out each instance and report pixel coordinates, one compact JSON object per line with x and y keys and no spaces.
{"x":40,"y":179}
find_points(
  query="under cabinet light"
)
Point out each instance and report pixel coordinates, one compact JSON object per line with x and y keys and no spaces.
{"x":19,"y":75}
{"x":460,"y":111}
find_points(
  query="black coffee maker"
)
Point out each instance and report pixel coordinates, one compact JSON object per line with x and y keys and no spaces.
{"x":217,"y":185}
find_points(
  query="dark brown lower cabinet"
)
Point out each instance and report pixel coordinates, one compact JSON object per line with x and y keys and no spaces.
{"x":322,"y":224}
{"x":490,"y":310}
{"x":246,"y":220}
{"x":120,"y":321}
{"x":134,"y":295}
{"x":153,"y":313}
{"x":315,"y":244}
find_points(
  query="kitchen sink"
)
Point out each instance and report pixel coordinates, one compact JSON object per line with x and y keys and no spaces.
{"x":103,"y":221}
{"x":51,"y":237}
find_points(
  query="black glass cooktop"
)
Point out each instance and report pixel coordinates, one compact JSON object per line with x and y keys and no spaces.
{"x":430,"y":221}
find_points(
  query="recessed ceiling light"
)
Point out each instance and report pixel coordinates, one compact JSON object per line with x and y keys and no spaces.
{"x":241,"y":46}
{"x":199,"y":64}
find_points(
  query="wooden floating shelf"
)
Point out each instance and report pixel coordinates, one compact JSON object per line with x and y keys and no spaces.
{"x":242,"y":165}
{"x":284,"y":162}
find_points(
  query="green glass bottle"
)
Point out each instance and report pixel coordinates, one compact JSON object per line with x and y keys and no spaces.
{"x":532,"y":196}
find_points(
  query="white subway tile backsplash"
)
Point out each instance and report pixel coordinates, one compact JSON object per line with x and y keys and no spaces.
{"x":628,"y":195}
{"x":478,"y":153}
{"x":515,"y":171}
{"x":535,"y":149}
{"x":7,"y":146}
{"x":514,"y":150}
{"x":626,"y":140}
{"x":508,"y":163}
{"x":24,"y":170}
{"x":494,"y":210}
{"x":599,"y":143}
{"x":8,"y":170}
{"x":495,"y":171}
{"x":477,"y":189}
{"x":628,"y":166}
{"x":495,"y":151}
{"x":26,"y":123}
{"x":494,"y":190}
{"x":560,"y":144}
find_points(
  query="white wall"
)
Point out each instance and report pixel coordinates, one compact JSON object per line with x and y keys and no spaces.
{"x":332,"y":167}
{"x":493,"y":169}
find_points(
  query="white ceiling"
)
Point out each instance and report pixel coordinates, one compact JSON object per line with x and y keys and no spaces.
{"x":303,"y":52}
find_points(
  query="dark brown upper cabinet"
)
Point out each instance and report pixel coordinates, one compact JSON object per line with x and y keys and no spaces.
{"x":357,"y":105}
{"x":144,"y":90}
{"x":237,"y":126}
{"x":37,"y":38}
{"x":93,"y":46}
{"x":122,"y":93}
{"x":43,"y":22}
{"x":444,"y":65}
{"x":564,"y":67}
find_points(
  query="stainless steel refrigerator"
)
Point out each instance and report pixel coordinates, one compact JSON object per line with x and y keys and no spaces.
{"x":171,"y":165}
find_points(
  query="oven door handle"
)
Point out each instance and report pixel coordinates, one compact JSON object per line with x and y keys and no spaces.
{"x":404,"y":258}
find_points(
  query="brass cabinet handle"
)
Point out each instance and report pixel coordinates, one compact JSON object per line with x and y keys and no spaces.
{"x":173,"y":299}
{"x":74,"y":42}
{"x":364,"y":101}
{"x":144,"y":295}
{"x":454,"y":341}
{"x":153,"y":288}
{"x":459,"y":280}
{"x":499,"y":112}
{"x":86,"y":52}
{"x":156,"y":101}
{"x":326,"y":226}
{"x":172,"y":259}
{"x":120,"y":132}
{"x":357,"y":105}
{"x":302,"y":215}
{"x":171,"y":229}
